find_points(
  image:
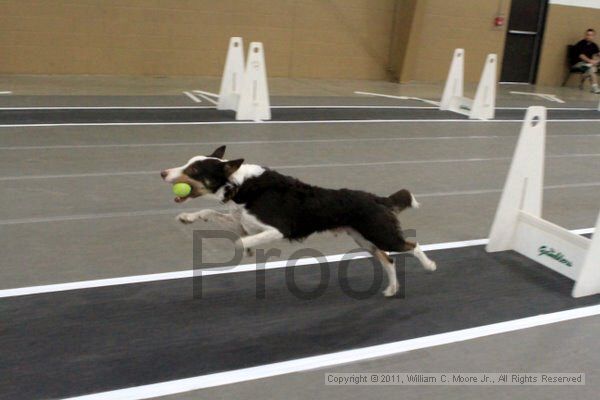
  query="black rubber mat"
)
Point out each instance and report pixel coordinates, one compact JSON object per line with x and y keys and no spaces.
{"x":70,"y":116}
{"x":85,"y":341}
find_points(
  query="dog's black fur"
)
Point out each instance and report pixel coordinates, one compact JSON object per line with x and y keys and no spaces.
{"x":298,"y":209}
{"x":270,"y":206}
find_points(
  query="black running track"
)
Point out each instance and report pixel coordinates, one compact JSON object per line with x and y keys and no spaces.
{"x":74,"y":116}
{"x":91,"y":340}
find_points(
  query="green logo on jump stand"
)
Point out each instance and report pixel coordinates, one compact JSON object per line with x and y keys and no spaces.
{"x":558,"y":256}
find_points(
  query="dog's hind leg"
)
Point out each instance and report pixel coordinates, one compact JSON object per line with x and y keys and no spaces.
{"x":416,"y":251}
{"x":385,"y":260}
{"x":390,"y":270}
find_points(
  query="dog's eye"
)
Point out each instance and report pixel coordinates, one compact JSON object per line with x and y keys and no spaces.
{"x":193,"y":170}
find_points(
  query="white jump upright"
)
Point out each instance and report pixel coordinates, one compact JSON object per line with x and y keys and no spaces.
{"x":519,"y":225}
{"x":454,"y":81}
{"x":483,"y":105}
{"x":233,"y":73}
{"x":243,"y":86}
{"x":254,"y":98}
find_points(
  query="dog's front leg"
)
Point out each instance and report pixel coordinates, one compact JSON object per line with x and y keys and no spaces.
{"x":250,"y":242}
{"x":205,"y":215}
{"x":227,"y":221}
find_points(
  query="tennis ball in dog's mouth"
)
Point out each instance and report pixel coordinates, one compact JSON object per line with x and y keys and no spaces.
{"x":182,"y":189}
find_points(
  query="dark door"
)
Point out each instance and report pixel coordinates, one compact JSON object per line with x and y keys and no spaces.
{"x":523,"y":40}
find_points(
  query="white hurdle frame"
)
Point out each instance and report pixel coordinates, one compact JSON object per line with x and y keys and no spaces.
{"x":244,"y":86}
{"x":518,"y":224}
{"x":254,"y":101}
{"x":233,"y":73}
{"x":483,"y":105}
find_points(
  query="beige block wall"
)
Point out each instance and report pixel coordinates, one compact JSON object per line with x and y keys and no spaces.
{"x":303,"y":38}
{"x":409,"y":40}
{"x":440,"y":26}
{"x":564,"y":25}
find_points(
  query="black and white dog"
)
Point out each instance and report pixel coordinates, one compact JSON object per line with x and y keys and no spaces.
{"x":266,"y":206}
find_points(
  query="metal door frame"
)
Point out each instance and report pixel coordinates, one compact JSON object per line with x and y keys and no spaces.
{"x":539,"y":36}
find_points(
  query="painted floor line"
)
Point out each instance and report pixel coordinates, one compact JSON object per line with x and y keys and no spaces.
{"x":434,"y":106}
{"x":25,"y":291}
{"x":342,"y":357}
{"x":545,"y":96}
{"x":283,"y":141}
{"x":299,"y":166}
{"x":174,"y":211}
{"x":435,"y":103}
{"x":76,"y":108}
{"x":126,"y":280}
{"x":207,"y":98}
{"x":206,"y":93}
{"x":192,"y":97}
{"x":291,"y":122}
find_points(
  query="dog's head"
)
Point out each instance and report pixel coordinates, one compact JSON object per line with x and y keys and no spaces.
{"x":205,"y":174}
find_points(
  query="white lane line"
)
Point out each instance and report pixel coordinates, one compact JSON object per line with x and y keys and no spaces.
{"x":545,"y":96}
{"x":487,"y":191}
{"x":60,"y":287}
{"x":204,"y":92}
{"x":261,"y":142}
{"x":80,"y":217}
{"x":435,"y":103}
{"x":299,"y":166}
{"x":194,"y":98}
{"x":5,"y":92}
{"x":400,"y":162}
{"x":173,"y":211}
{"x":76,"y":108}
{"x":333,"y":106}
{"x":207,"y":98}
{"x":283,"y":141}
{"x":291,"y":122}
{"x":342,"y":357}
{"x":251,"y":142}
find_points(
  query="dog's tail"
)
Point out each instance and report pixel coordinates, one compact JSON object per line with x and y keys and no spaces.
{"x":403,"y":199}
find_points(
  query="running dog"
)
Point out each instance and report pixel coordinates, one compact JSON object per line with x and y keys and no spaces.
{"x":266,"y":206}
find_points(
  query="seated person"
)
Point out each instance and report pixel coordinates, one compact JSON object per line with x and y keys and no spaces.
{"x":587,"y":58}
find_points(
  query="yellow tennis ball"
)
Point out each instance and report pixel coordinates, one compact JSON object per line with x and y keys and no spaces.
{"x":182,"y":189}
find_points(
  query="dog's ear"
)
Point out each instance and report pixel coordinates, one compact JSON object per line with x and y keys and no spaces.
{"x":218,"y":153}
{"x":232,"y":166}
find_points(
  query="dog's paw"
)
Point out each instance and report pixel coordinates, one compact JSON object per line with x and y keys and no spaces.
{"x":430,"y":266}
{"x":391,"y":290}
{"x":186,"y":218}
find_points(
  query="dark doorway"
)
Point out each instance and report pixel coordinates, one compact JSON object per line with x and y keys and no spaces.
{"x":523,"y":40}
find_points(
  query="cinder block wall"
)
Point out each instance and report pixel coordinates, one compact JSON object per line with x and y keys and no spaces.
{"x":303,"y":38}
{"x":407,"y":40}
{"x":564,"y":25}
{"x":440,"y":26}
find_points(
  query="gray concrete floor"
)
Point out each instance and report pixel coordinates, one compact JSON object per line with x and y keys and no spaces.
{"x":82,"y":203}
{"x":50,"y":202}
{"x":564,"y":347}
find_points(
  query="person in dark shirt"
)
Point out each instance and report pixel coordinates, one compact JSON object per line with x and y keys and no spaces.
{"x":588,"y":58}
